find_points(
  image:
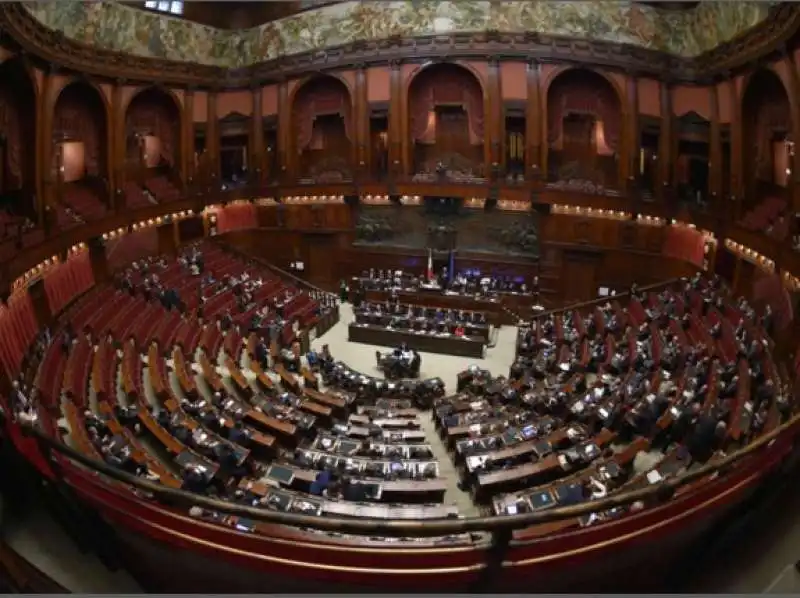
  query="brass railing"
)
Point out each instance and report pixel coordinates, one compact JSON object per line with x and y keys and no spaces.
{"x":422,"y":528}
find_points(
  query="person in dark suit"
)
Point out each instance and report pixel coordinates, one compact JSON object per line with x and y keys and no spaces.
{"x":229,"y":460}
{"x":703,"y":439}
{"x":238,"y":434}
{"x":193,"y":480}
{"x":226,"y":321}
{"x":262,"y":354}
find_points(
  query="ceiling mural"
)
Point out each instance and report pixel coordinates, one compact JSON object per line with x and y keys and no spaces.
{"x":114,"y":26}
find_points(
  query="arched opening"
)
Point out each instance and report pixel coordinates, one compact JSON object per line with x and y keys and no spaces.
{"x":323,"y":130}
{"x":17,"y":146}
{"x":584,"y":130}
{"x":152,"y":148}
{"x":79,"y":162}
{"x":445,"y":120}
{"x":766,"y":141}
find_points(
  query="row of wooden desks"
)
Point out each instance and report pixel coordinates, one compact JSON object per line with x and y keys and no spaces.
{"x":461,"y":346}
{"x":401,"y":321}
{"x":430,"y":491}
{"x":347,"y":447}
{"x":140,"y":456}
{"x":285,"y":500}
{"x":612,"y":470}
{"x":544,"y":469}
{"x":492,"y":306}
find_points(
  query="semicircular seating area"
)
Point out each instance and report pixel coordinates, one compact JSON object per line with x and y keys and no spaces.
{"x":189,"y":388}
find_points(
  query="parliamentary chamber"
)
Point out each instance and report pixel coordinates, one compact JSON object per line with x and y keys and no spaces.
{"x":589,"y":147}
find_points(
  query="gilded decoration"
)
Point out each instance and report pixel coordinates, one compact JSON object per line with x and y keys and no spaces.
{"x":121,"y":28}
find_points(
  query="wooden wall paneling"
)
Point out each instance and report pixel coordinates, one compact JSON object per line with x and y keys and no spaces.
{"x":579,"y":270}
{"x":737,"y":164}
{"x":626,"y":147}
{"x":45,"y":148}
{"x":98,"y":259}
{"x":41,"y":306}
{"x":715,"y":153}
{"x":494,"y":119}
{"x":396,"y":131}
{"x":533,"y":122}
{"x":665,"y":142}
{"x":793,"y":91}
{"x":362,"y":157}
{"x":256,"y":143}
{"x":405,"y":144}
{"x":167,"y":238}
{"x":322,"y":266}
{"x":279,"y":247}
{"x":212,"y":139}
{"x":544,"y":143}
{"x":285,"y":158}
{"x":117,"y":143}
{"x":188,"y":161}
{"x":746,"y":275}
{"x":634,"y":134}
{"x":39,"y":199}
{"x":267,"y":216}
{"x":627,"y":235}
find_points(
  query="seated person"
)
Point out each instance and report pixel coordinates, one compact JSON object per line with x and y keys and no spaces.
{"x":193,"y":479}
{"x":239,"y":435}
{"x":404,"y":353}
{"x":459,"y":331}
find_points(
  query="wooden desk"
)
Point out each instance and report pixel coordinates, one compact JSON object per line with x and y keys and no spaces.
{"x":316,"y":409}
{"x":99,"y":380}
{"x":382,"y":320}
{"x":397,"y":424}
{"x":264,"y":381}
{"x":288,"y":381}
{"x":400,"y":413}
{"x":261,"y":441}
{"x":623,"y":460}
{"x":548,"y":467}
{"x":77,"y":427}
{"x":743,"y":395}
{"x":372,"y":511}
{"x":273,"y":425}
{"x":185,"y":378}
{"x":212,"y":378}
{"x":353,"y":509}
{"x":310,"y":380}
{"x":391,"y":491}
{"x":238,"y":377}
{"x":441,"y":300}
{"x":174,"y":407}
{"x":154,"y":367}
{"x":445,"y":345}
{"x":131,"y":371}
{"x":520,"y":449}
{"x":138,"y":454}
{"x":338,"y":404}
{"x":457,"y":432}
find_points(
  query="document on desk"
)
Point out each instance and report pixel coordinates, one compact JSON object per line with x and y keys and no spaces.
{"x":654,"y":477}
